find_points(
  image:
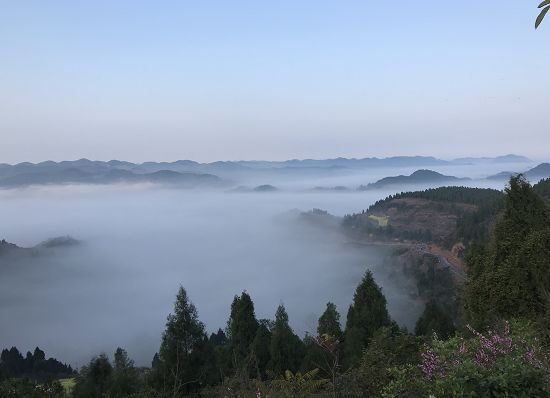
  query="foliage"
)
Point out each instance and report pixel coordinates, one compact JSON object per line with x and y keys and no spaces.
{"x":242,"y":327}
{"x":497,"y":364}
{"x":329,"y":322}
{"x":286,"y":349}
{"x":543,"y":188}
{"x":125,"y":379}
{"x":434,"y":320}
{"x":298,"y":385}
{"x":34,"y":365}
{"x":260,"y":348}
{"x":508,"y":278}
{"x":545,"y":5}
{"x":471,"y":225}
{"x":186,"y":361}
{"x":389,"y":347}
{"x":27,"y":388}
{"x":366,"y":314}
{"x":95,"y":379}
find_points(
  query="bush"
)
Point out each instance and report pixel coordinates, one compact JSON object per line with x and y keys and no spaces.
{"x":495,"y":364}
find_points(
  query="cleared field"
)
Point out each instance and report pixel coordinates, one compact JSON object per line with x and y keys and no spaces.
{"x":381,"y":220}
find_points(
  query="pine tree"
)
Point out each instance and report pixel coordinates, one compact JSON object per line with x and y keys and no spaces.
{"x":286,"y":349}
{"x":260,"y":348}
{"x":329,"y":322}
{"x":366,"y":314}
{"x":180,"y":366}
{"x":242,"y":327}
{"x":507,"y":279}
{"x":125,"y":380}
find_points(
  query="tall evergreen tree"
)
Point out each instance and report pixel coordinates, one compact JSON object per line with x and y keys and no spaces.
{"x":286,"y":349}
{"x":260,"y":348}
{"x":125,"y":379}
{"x":242,"y":327}
{"x":505,"y":278}
{"x":366,"y":314}
{"x":329,"y":322}
{"x":180,"y":367}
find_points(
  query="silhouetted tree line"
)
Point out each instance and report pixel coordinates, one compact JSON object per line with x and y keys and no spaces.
{"x":33,"y":365}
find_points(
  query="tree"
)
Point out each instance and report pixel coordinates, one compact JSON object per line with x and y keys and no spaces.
{"x":366,"y":314}
{"x":125,"y":379}
{"x":218,"y":339}
{"x":39,"y":355}
{"x":286,"y":349}
{"x":95,"y":379}
{"x":180,"y":367}
{"x":329,"y":322}
{"x":389,"y":347}
{"x":434,"y":320}
{"x":260,"y":348}
{"x":242,"y":327}
{"x":505,"y":277}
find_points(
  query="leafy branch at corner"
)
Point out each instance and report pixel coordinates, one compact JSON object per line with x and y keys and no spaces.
{"x":545,"y":5}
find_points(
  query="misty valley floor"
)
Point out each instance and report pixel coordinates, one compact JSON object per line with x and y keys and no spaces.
{"x":140,"y":243}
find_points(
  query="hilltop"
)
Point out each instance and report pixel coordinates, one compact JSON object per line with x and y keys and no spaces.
{"x":418,"y":177}
{"x":534,"y":174}
{"x":446,"y":216}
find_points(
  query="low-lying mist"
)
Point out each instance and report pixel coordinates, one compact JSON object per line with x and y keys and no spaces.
{"x":139,"y":243}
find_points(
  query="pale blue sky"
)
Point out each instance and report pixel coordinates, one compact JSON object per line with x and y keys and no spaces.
{"x":209,"y":80}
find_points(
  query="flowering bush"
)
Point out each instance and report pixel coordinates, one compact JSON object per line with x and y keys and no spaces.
{"x":499,"y":363}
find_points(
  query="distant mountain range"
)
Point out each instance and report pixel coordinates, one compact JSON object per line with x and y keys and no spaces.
{"x":498,"y":159}
{"x":95,"y":172}
{"x":534,"y":174}
{"x":188,"y":173}
{"x":418,"y":177}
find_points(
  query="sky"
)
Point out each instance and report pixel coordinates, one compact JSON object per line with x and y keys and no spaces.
{"x":230,"y":80}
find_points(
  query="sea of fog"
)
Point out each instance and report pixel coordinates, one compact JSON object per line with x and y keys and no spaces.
{"x":140,"y":243}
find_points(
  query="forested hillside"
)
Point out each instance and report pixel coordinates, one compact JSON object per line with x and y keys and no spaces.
{"x":543,"y":188}
{"x":446,"y":215}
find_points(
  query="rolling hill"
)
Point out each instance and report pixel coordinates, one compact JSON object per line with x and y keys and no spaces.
{"x":418,"y":177}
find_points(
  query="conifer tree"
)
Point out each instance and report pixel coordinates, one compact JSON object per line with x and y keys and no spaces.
{"x":260,"y":348}
{"x":242,"y":327}
{"x":125,"y":379}
{"x":286,"y":349}
{"x":180,"y":366}
{"x":366,"y":314}
{"x":508,"y":278}
{"x":329,"y":322}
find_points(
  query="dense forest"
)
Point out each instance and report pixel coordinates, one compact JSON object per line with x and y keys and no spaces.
{"x":496,"y":346}
{"x":472,"y":222}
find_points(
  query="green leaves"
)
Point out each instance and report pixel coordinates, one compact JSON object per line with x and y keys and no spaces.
{"x":546,"y":4}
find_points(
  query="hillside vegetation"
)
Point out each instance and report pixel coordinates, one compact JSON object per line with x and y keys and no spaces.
{"x":446,"y":215}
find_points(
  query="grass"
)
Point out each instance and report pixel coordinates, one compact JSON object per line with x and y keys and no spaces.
{"x":381,"y":220}
{"x":68,"y":385}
